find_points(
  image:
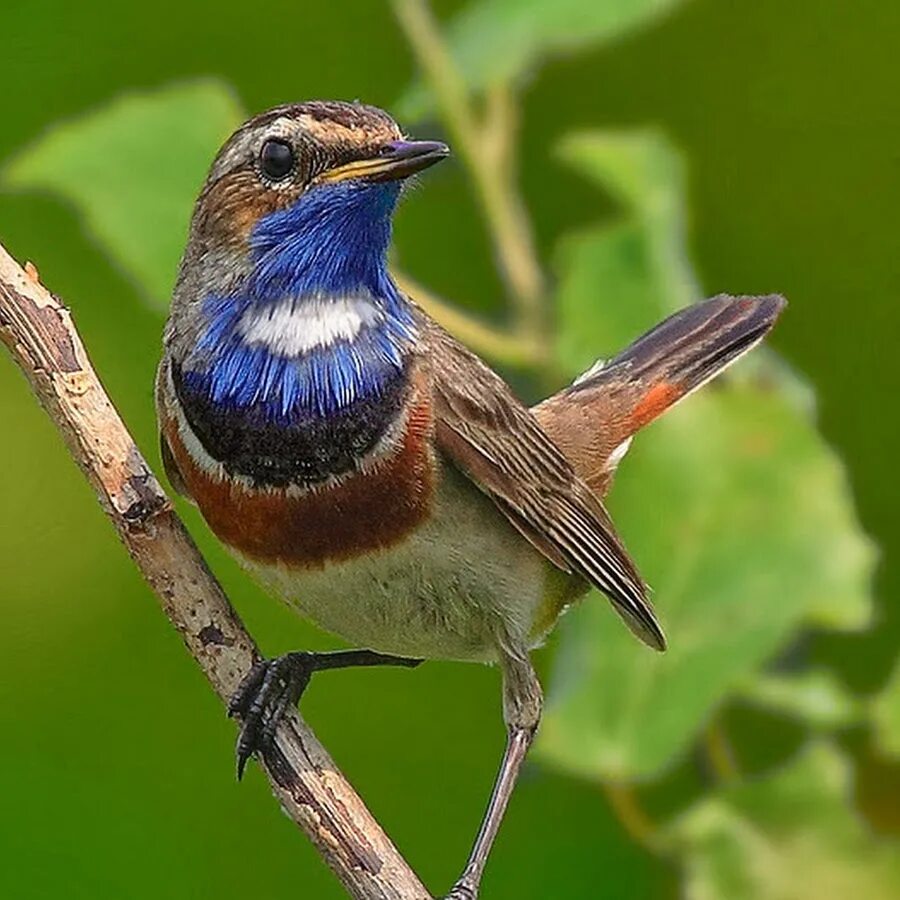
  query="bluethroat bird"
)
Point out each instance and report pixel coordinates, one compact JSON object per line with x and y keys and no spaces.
{"x":365,"y":466}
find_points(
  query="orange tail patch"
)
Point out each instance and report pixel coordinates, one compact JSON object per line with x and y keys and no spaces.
{"x":655,"y":401}
{"x":592,"y":420}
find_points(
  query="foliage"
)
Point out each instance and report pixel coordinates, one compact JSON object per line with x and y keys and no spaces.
{"x":790,"y":836}
{"x":132,"y":170}
{"x":757,"y":535}
{"x":500,"y":40}
{"x":736,"y":508}
{"x":886,"y":713}
{"x":814,"y":696}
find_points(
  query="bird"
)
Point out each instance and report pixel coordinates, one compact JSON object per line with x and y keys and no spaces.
{"x":364,"y":465}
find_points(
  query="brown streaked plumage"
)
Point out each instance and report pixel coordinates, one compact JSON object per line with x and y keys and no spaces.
{"x":490,"y":435}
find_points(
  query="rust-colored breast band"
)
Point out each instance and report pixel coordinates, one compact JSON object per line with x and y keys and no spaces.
{"x":362,"y":513}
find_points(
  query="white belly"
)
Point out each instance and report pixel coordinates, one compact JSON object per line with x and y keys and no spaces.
{"x":455,"y":588}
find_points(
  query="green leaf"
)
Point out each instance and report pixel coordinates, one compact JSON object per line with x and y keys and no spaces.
{"x":644,"y":173}
{"x":133,"y":169}
{"x":792,"y":836}
{"x":736,"y":510}
{"x":637,"y":264}
{"x":599,"y":267}
{"x":815,"y":697}
{"x":886,"y":716}
{"x":741,"y":520}
{"x":498,"y":40}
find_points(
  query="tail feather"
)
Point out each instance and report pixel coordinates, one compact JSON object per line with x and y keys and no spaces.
{"x":693,"y":345}
{"x":593,"y":419}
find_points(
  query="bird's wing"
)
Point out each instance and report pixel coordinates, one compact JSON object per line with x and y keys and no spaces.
{"x":495,"y":440}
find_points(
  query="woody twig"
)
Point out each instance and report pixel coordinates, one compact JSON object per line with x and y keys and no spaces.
{"x":39,"y":333}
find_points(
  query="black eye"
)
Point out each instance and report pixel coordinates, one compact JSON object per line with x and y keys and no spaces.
{"x":276,"y":159}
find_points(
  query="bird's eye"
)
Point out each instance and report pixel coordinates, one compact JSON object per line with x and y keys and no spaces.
{"x":276,"y":159}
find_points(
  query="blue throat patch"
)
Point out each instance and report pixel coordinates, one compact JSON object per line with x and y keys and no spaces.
{"x":332,"y":243}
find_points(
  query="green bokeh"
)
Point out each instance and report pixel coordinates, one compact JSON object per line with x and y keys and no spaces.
{"x":115,"y":763}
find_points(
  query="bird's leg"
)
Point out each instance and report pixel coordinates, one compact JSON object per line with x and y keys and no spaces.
{"x":274,"y":685}
{"x":522,"y":701}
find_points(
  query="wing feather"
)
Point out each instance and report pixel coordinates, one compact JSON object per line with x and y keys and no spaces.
{"x":485,"y":431}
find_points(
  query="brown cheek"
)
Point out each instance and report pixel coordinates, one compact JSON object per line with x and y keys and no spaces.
{"x":235,"y":203}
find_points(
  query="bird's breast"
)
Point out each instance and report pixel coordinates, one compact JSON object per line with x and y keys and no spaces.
{"x":371,"y":506}
{"x":456,"y":586}
{"x":404,"y":555}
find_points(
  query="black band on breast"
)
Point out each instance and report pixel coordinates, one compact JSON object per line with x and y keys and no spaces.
{"x":306,"y":452}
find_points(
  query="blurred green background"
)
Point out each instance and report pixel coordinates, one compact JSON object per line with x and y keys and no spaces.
{"x":116,"y":767}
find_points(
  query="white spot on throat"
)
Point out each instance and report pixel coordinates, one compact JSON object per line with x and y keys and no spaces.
{"x":292,"y":327}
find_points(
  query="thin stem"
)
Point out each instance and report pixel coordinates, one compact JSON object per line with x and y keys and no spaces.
{"x":720,"y":753}
{"x":486,"y":149}
{"x":634,"y":819}
{"x":515,"y":350}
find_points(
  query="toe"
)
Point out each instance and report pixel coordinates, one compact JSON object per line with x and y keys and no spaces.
{"x":242,"y":698}
{"x":269,"y":690}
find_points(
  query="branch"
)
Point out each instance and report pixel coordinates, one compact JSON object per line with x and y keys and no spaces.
{"x":42,"y":339}
{"x":485,"y":146}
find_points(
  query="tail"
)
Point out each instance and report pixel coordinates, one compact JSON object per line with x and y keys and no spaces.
{"x":594,"y":419}
{"x":683,"y":352}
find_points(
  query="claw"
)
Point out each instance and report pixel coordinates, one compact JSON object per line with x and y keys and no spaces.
{"x":242,"y":757}
{"x":264,"y":696}
{"x":242,"y":697}
{"x":272,"y":686}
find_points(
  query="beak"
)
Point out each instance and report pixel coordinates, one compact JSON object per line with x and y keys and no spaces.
{"x":395,"y":161}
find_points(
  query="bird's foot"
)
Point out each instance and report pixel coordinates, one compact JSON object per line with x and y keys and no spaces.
{"x":270,"y":688}
{"x":274,"y":685}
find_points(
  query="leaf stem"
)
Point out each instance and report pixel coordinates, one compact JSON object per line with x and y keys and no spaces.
{"x":486,"y":148}
{"x":516,"y":350}
{"x":632,"y":816}
{"x":720,"y":753}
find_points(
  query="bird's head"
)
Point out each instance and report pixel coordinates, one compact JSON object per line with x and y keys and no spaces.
{"x":284,"y":305}
{"x":300,"y":198}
